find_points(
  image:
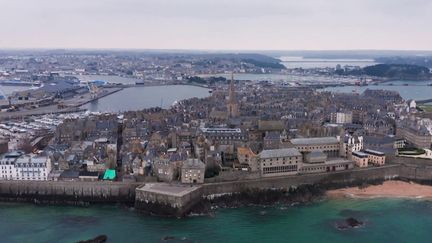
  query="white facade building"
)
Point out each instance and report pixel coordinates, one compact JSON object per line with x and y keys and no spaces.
{"x":16,"y":166}
{"x":342,"y":117}
{"x":351,"y":144}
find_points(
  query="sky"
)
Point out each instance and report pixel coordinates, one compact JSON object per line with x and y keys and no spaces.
{"x":217,"y":24}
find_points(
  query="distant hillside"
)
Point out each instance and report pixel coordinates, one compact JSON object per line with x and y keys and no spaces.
{"x":397,"y":71}
{"x":425,"y":61}
{"x":258,"y":60}
{"x":391,"y":71}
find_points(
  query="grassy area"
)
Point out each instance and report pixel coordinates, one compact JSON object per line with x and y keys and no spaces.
{"x":426,"y":108}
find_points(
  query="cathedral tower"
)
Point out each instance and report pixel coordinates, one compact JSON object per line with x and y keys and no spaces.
{"x":232,"y":106}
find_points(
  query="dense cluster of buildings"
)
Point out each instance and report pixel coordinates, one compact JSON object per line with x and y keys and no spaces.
{"x":258,"y":130}
{"x":251,"y":127}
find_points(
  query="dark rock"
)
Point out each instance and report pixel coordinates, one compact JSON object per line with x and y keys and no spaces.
{"x":352,"y":222}
{"x":349,"y":223}
{"x":168,"y":238}
{"x":97,"y":239}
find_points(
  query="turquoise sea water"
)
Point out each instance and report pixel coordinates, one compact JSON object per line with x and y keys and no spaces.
{"x":386,"y":220}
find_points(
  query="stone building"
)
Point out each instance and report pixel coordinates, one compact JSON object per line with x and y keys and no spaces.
{"x":376,"y":158}
{"x":368,"y":156}
{"x":247,"y":159}
{"x":360,"y":159}
{"x":279,"y":162}
{"x":329,"y":145}
{"x":351,"y":144}
{"x":192,"y":171}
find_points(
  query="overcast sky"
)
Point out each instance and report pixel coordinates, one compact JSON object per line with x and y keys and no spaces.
{"x":217,"y":24}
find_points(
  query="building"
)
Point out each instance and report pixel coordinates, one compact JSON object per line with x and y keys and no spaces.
{"x":232,"y":105}
{"x":329,"y":145}
{"x":192,"y":171}
{"x":272,"y":140}
{"x":360,"y":159}
{"x":399,"y":143}
{"x":368,"y":156}
{"x":88,"y":176}
{"x":247,"y":159}
{"x":351,"y":144}
{"x":420,"y":137}
{"x":17,"y":166}
{"x":342,"y":117}
{"x":165,"y":170}
{"x":279,"y":162}
{"x":327,"y":166}
{"x":225,"y":136}
{"x":376,"y":158}
{"x":4,"y":146}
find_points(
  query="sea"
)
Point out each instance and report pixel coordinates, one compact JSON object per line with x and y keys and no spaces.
{"x":138,"y":98}
{"x":385,"y":220}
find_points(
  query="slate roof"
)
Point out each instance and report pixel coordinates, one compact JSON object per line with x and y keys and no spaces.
{"x":278,"y":153}
{"x":314,"y":141}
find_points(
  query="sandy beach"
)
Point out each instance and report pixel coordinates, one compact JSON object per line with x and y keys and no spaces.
{"x":398,"y":189}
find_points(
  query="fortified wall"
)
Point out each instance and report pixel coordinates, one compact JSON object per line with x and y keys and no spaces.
{"x":178,"y":199}
{"x":73,"y":192}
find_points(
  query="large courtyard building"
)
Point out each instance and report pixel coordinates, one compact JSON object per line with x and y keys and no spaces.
{"x":279,"y":162}
{"x":328,"y":145}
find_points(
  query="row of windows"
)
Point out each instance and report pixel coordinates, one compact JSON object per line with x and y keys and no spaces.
{"x":29,"y":165}
{"x":314,"y":169}
{"x":24,"y":178}
{"x":280,"y":169}
{"x":290,"y":162}
{"x":283,"y":158}
{"x":319,"y":147}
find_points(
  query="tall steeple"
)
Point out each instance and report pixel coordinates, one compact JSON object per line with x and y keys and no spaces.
{"x":232,"y":106}
{"x":231,"y":94}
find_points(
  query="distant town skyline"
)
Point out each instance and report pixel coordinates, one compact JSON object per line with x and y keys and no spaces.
{"x":217,"y":25}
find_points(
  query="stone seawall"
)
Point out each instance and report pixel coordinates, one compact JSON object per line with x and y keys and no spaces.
{"x":63,"y":192}
{"x":178,"y":201}
{"x":334,"y":179}
{"x":165,"y":203}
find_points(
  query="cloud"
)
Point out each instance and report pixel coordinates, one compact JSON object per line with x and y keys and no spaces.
{"x":218,"y":24}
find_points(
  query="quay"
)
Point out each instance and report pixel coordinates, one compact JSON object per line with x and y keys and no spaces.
{"x":69,"y":106}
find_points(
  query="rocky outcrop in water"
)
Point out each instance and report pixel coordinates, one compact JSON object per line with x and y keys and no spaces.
{"x":257,"y":197}
{"x":97,"y":239}
{"x":349,"y":223}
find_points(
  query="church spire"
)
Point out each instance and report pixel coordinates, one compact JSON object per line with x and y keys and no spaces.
{"x":232,"y":106}
{"x":231,"y":93}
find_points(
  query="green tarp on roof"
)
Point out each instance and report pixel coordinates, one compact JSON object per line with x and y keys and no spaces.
{"x":109,"y":175}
